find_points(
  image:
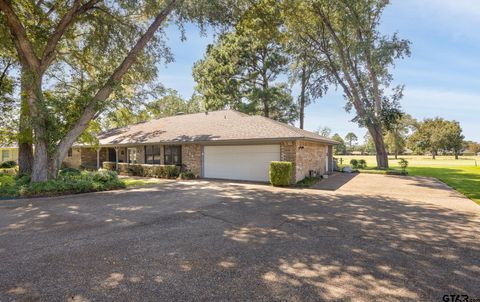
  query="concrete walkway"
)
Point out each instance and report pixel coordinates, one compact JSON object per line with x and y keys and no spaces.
{"x":377,"y":238}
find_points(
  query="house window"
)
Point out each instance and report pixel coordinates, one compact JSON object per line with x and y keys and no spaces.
{"x":5,"y":155}
{"x":69,"y":152}
{"x":152,"y":154}
{"x":173,"y":155}
{"x":132,"y":155}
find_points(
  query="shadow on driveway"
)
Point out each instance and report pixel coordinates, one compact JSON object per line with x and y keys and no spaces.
{"x":219,"y":241}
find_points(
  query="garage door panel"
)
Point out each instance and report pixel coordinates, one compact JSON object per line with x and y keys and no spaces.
{"x":244,"y":162}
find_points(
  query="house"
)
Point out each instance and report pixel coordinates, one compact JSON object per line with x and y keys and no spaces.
{"x":223,"y":144}
{"x":8,"y":153}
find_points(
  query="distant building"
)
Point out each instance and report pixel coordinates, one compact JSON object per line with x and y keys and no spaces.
{"x":8,"y":153}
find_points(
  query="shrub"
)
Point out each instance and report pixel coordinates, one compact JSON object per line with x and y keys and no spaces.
{"x":9,"y":171}
{"x":7,"y":180}
{"x":362,"y":164}
{"x":8,"y":164}
{"x":403,"y":163}
{"x":187,"y":175}
{"x":281,"y":173}
{"x":308,"y":181}
{"x":354,"y":163}
{"x":69,"y":172}
{"x":104,"y":176}
{"x":22,"y":179}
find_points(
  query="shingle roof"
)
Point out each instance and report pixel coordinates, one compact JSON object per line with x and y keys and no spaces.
{"x":216,"y":126}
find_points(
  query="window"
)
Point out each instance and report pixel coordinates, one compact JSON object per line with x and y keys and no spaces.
{"x":132,"y":155}
{"x":152,"y":154}
{"x":5,"y":155}
{"x":173,"y":155}
{"x":69,"y":152}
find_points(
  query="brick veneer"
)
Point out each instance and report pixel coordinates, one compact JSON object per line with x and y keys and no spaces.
{"x":305,"y":156}
{"x":192,"y":158}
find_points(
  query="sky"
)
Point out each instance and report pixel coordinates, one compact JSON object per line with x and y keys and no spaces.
{"x":441,"y":78}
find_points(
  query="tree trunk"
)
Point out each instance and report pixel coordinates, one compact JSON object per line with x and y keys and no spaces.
{"x":34,"y":95}
{"x":456,"y":155}
{"x":302,"y":98}
{"x":25,"y":135}
{"x":382,"y":155}
{"x":434,"y":154}
{"x":396,"y":154}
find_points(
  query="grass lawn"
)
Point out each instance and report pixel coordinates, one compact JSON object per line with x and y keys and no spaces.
{"x":463,"y":174}
{"x":132,"y":182}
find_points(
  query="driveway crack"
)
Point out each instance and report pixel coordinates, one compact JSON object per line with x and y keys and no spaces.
{"x":214,"y":217}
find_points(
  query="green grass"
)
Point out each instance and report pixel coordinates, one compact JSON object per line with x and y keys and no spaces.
{"x":463,"y":174}
{"x":131,"y":182}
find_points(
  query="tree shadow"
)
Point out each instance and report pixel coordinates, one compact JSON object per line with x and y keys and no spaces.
{"x":227,"y":241}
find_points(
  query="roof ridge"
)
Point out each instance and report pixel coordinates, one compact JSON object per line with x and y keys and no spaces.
{"x":298,"y":131}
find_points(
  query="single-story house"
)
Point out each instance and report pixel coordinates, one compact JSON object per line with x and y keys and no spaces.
{"x":223,"y":144}
{"x":8,"y":153}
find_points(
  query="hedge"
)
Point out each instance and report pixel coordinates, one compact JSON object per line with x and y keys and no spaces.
{"x":145,"y":170}
{"x":281,"y":173}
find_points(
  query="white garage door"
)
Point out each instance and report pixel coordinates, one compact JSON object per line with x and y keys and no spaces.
{"x":245,"y":162}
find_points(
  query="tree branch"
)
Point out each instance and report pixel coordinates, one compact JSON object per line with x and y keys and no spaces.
{"x":22,"y":44}
{"x":76,"y":10}
{"x":92,"y":108}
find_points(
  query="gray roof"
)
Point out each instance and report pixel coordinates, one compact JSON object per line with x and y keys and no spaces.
{"x":216,"y":126}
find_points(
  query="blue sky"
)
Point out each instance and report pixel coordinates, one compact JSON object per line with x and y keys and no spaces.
{"x":442,"y":77}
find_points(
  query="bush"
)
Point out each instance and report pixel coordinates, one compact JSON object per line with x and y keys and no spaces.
{"x":66,"y":183}
{"x":187,"y":175}
{"x":403,"y":163}
{"x":8,"y":164}
{"x":281,"y":173}
{"x":7,"y":180}
{"x":308,"y":181}
{"x":362,"y":164}
{"x":9,"y":171}
{"x":69,"y":172}
{"x":354,"y":163}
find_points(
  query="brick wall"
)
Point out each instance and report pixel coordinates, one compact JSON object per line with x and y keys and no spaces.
{"x":288,"y":152}
{"x":75,"y":160}
{"x":192,"y":157}
{"x":310,"y":156}
{"x":89,"y":157}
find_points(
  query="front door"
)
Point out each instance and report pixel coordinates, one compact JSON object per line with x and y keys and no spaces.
{"x":132,"y":155}
{"x":112,"y":155}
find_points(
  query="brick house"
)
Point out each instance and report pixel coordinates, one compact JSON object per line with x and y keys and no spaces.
{"x":223,"y":144}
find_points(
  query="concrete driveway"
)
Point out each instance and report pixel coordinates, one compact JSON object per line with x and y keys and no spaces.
{"x":371,"y":238}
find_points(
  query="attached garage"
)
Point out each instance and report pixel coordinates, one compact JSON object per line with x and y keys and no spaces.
{"x":239,"y":162}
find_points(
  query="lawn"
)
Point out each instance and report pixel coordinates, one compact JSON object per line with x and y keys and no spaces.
{"x":463,"y":174}
{"x":132,"y":181}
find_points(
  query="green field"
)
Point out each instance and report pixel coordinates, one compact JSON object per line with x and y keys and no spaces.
{"x":463,"y":174}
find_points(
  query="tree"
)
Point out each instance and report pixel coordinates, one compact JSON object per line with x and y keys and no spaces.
{"x":473,"y":147}
{"x":340,"y":148}
{"x":396,"y":136}
{"x":44,"y":32}
{"x":453,"y":137}
{"x":434,"y":135}
{"x":346,"y":35}
{"x":324,"y":131}
{"x":239,"y":71}
{"x":352,"y":139}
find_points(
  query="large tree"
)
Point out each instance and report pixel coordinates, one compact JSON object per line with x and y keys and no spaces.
{"x":396,"y":136}
{"x":435,"y":135}
{"x":346,"y":34}
{"x":46,"y":31}
{"x":240,"y":70}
